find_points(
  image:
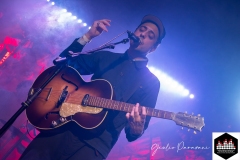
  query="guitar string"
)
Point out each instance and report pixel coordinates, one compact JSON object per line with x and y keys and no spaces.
{"x":75,"y":98}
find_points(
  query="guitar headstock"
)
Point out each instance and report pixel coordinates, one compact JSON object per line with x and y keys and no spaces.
{"x":190,"y":121}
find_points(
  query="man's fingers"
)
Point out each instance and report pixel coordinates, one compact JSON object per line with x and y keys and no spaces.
{"x":102,"y":26}
{"x":136,"y":111}
{"x":144,"y":111}
{"x":106,"y":22}
{"x":132,"y":112}
{"x":127,"y":115}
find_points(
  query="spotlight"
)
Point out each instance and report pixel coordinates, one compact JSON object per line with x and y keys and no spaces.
{"x":79,"y":21}
{"x":191,"y":96}
{"x":52,"y":3}
{"x":64,"y":10}
{"x":185,"y":92}
{"x":169,"y":84}
{"x":60,"y":20}
{"x":74,"y":17}
{"x":48,"y":0}
{"x":84,"y":24}
{"x":180,"y":88}
{"x":89,"y":27}
{"x":69,"y":14}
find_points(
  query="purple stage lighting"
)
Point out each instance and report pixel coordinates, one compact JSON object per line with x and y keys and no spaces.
{"x":168,"y":84}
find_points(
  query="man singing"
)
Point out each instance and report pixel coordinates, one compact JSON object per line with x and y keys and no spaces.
{"x":131,"y":81}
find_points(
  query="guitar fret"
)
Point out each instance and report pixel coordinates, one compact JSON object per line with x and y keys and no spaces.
{"x":113,"y":106}
{"x":108,"y":101}
{"x":102,"y":102}
{"x":99,"y":102}
{"x":154,"y":112}
{"x":94,"y":102}
{"x":110,"y":105}
{"x":122,"y":106}
{"x":116,"y":105}
{"x":105,"y":103}
{"x":125,"y":107}
{"x":90,"y":101}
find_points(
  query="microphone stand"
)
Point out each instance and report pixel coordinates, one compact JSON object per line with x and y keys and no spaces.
{"x":60,"y":65}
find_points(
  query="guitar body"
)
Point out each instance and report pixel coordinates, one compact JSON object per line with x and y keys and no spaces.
{"x":45,"y":109}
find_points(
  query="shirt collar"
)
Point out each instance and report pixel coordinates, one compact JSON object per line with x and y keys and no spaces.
{"x":139,"y":63}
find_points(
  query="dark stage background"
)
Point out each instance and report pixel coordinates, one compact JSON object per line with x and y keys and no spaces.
{"x":201,"y":50}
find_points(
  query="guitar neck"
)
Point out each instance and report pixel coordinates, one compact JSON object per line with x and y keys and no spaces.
{"x":126,"y":107}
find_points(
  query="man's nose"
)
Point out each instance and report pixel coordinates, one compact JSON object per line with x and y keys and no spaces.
{"x":143,"y":34}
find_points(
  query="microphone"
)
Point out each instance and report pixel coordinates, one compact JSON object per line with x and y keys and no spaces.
{"x":133,"y":37}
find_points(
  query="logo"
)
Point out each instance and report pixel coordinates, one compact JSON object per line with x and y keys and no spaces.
{"x":225,"y":145}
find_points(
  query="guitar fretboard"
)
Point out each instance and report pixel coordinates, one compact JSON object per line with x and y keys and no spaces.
{"x":126,"y":107}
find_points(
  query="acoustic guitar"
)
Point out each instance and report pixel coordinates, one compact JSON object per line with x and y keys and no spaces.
{"x":69,"y":98}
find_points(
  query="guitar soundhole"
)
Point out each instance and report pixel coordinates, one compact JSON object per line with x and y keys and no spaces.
{"x":69,"y":82}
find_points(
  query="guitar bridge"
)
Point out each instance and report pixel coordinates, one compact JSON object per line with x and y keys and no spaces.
{"x":62,"y":97}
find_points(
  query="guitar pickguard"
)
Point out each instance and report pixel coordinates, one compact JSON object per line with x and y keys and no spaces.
{"x":69,"y":109}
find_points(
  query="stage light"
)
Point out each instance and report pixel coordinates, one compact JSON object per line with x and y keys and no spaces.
{"x":69,"y":13}
{"x":64,"y":10}
{"x":74,"y":17}
{"x":89,"y":27}
{"x":191,"y":96}
{"x":60,"y":20}
{"x":84,"y":24}
{"x":79,"y":21}
{"x":48,"y":0}
{"x":185,"y":92}
{"x":53,"y":3}
{"x":180,"y":88}
{"x":168,"y":84}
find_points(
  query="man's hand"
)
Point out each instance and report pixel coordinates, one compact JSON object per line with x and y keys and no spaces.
{"x":136,"y":120}
{"x":97,"y":28}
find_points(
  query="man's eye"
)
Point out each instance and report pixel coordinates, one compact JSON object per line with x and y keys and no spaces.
{"x":151,"y":36}
{"x":142,"y":28}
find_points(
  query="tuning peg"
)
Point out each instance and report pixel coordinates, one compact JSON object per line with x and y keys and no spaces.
{"x":199,"y":115}
{"x":194,"y":132}
{"x":188,"y":130}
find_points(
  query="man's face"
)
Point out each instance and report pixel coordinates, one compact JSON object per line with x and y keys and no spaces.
{"x":148,"y":34}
